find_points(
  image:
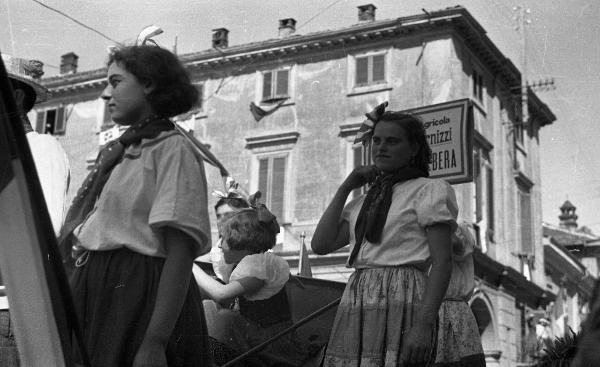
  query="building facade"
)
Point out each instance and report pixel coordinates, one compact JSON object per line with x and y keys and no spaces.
{"x":281,"y":114}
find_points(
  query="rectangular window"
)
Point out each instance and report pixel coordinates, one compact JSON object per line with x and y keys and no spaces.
{"x":271,"y":183}
{"x":370,"y":70}
{"x":51,"y":121}
{"x":477,"y":86}
{"x":276,"y":85}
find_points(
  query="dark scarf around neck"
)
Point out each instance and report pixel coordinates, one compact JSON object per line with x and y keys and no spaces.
{"x":374,"y":211}
{"x":108,"y":158}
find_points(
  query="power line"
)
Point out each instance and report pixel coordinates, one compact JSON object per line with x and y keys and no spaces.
{"x":76,"y":21}
{"x":318,"y":13}
{"x":224,"y":82}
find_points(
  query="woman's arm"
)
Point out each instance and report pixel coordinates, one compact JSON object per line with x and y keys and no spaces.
{"x":419,"y":336}
{"x":331,"y":234}
{"x":224,"y":293}
{"x":172,"y":291}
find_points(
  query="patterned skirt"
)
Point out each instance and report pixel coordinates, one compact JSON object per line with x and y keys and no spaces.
{"x":377,"y":305}
{"x":459,"y":342}
{"x":114,"y":295}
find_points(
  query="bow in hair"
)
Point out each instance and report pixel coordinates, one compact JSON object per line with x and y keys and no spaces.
{"x":365,"y":132}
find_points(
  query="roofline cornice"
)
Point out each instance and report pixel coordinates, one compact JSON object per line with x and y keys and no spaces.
{"x":458,"y":18}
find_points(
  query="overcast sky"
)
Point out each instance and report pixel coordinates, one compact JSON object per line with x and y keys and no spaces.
{"x":563,"y":43}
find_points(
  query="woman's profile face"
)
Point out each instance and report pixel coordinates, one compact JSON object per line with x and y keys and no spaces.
{"x":126,"y":96}
{"x":390,"y":148}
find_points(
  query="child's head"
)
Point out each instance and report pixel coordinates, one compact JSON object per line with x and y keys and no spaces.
{"x":250,"y":230}
{"x":463,"y":241}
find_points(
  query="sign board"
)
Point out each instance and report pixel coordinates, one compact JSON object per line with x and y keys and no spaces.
{"x":449,"y":129}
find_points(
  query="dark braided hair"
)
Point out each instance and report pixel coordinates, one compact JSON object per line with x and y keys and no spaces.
{"x":415,"y":132}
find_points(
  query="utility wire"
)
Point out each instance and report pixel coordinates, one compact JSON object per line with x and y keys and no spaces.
{"x":224,"y":82}
{"x":76,"y":21}
{"x":318,"y":13}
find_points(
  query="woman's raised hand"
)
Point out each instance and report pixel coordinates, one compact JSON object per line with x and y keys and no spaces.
{"x":360,"y":176}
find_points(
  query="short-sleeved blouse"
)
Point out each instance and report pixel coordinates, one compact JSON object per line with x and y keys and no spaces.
{"x":266,"y":266}
{"x":416,"y":205}
{"x":159,"y":183}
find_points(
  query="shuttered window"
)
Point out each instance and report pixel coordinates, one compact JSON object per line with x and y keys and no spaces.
{"x":275,"y":85}
{"x":370,"y":70}
{"x":52,"y":121}
{"x":271,"y":183}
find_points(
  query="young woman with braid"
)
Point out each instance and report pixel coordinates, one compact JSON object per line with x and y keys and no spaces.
{"x":397,"y":232}
{"x":138,"y":222}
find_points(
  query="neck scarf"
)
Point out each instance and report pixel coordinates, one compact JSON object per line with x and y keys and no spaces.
{"x":374,"y":211}
{"x":107,"y":160}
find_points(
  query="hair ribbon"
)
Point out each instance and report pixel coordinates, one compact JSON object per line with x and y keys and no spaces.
{"x":365,"y":132}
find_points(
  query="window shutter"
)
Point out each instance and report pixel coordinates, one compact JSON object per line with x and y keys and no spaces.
{"x":282,"y":83}
{"x":378,"y":68}
{"x":263,"y":176}
{"x":277,"y":188}
{"x":490,"y":197}
{"x":40,"y":123}
{"x":478,"y":185}
{"x":267,"y":85}
{"x":362,"y":70}
{"x":60,"y":121}
{"x":526,"y":235}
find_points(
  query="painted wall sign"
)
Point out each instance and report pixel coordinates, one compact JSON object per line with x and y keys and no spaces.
{"x":449,"y":129}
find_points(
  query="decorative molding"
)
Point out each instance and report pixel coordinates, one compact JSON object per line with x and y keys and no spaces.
{"x":289,"y":138}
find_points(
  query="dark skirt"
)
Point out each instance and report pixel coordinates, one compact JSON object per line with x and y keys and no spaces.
{"x":114,"y":295}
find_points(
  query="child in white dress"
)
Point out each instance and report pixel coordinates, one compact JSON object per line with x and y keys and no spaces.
{"x":253,"y":305}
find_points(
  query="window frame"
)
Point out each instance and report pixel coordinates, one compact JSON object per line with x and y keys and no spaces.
{"x":274,"y":96}
{"x":370,"y":86}
{"x":42,"y":120}
{"x":478,"y":86}
{"x":267,"y":194}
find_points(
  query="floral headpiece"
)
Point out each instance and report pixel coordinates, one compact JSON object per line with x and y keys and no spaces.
{"x":233,"y":191}
{"x":264,"y":214}
{"x":365,"y":132}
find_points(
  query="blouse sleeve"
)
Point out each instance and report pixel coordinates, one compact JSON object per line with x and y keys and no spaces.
{"x":436,"y":203}
{"x":180,"y":199}
{"x":251,"y":266}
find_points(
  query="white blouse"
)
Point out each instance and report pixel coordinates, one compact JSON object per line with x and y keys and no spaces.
{"x":416,"y":205}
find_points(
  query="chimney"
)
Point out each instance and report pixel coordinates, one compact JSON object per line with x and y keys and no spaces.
{"x":366,"y":13}
{"x":287,"y":27}
{"x":220,"y":38}
{"x":68,"y":63}
{"x":568,"y":218}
